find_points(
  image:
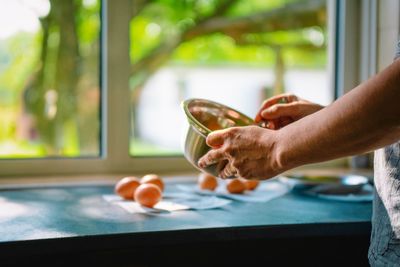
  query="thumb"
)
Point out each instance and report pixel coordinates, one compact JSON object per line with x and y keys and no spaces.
{"x":216,"y":138}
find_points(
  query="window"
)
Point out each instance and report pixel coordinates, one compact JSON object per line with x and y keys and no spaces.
{"x":110,"y":101}
{"x":49,"y":78}
{"x":234,"y":52}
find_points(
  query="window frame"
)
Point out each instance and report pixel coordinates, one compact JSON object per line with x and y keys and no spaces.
{"x":115,"y":93}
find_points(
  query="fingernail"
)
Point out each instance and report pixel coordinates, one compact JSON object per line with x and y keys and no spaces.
{"x":201,"y":164}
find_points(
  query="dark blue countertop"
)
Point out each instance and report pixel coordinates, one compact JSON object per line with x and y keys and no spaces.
{"x":77,"y":218}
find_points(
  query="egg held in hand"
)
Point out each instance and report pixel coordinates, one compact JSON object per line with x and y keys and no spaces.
{"x":235,"y":186}
{"x":148,"y":195}
{"x":126,"y":187}
{"x":153,"y":179}
{"x":207,"y":182}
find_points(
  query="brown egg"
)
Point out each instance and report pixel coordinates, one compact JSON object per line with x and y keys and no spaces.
{"x":235,"y":186}
{"x":126,"y":187}
{"x":153,"y":179}
{"x":250,"y":184}
{"x":207,"y":182}
{"x":148,"y":195}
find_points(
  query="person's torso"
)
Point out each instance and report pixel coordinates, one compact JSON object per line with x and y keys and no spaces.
{"x":385,"y":237}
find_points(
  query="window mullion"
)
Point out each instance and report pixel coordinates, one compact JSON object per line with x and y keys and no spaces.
{"x":116,"y":82}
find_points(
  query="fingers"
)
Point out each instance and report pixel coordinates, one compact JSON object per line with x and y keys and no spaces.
{"x":281,"y":110}
{"x":216,"y":138}
{"x":228,"y":172}
{"x":287,"y":98}
{"x":212,"y":157}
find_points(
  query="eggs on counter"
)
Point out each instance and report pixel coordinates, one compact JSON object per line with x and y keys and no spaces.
{"x":146,"y":191}
{"x":148,"y":195}
{"x":250,"y":184}
{"x":126,"y":187}
{"x":207,"y":182}
{"x":153,"y":179}
{"x":234,"y":186}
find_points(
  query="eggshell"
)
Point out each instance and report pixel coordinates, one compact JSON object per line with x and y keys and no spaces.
{"x":153,"y":179}
{"x":126,"y":187}
{"x":207,"y":182}
{"x":235,"y":186}
{"x":250,"y":184}
{"x":148,"y":195}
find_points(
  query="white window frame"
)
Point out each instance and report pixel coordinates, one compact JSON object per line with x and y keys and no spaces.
{"x":356,"y":43}
{"x":389,"y":31}
{"x":116,"y":94}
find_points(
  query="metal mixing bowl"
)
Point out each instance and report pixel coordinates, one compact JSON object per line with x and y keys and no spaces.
{"x":205,"y":116}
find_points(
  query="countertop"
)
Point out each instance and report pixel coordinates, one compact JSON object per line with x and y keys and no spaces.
{"x":69,"y":220}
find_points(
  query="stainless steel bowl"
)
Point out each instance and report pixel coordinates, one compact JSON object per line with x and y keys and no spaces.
{"x":205,"y":116}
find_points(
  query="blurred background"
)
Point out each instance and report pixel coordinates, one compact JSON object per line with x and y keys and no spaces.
{"x":236,"y":52}
{"x":49,"y":78}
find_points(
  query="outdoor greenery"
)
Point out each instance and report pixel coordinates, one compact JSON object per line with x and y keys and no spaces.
{"x":208,"y":32}
{"x":49,"y":80}
{"x":49,"y":84}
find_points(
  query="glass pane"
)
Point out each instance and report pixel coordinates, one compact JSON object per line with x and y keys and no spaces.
{"x":234,"y":52}
{"x":49,"y":78}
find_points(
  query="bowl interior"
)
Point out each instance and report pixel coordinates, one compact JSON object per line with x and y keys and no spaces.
{"x":212,"y":116}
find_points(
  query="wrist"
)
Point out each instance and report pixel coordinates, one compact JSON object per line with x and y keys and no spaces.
{"x":283,"y":154}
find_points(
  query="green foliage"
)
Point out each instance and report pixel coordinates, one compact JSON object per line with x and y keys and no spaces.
{"x":160,"y":22}
{"x":294,"y":59}
{"x":219,"y":49}
{"x":88,"y":24}
{"x":243,"y":8}
{"x":20,"y":60}
{"x":145,"y":35}
{"x":164,"y":20}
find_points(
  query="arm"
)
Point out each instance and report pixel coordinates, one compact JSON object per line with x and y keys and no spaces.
{"x":366,"y":118}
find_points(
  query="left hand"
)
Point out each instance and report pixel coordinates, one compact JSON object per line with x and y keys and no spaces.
{"x":281,"y":110}
{"x":251,"y":152}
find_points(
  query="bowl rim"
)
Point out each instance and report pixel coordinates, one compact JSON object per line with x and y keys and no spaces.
{"x":197,"y":124}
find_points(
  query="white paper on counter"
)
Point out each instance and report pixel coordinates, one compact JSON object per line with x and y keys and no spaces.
{"x":172,"y":202}
{"x":266,"y":191}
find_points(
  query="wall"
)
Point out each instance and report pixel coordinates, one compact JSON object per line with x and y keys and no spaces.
{"x":388,"y":31}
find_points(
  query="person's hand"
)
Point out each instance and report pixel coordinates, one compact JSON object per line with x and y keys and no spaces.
{"x":281,"y":110}
{"x":249,"y":152}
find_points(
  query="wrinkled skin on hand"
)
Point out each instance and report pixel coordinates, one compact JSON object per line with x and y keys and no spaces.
{"x":250,"y":152}
{"x":279,"y":114}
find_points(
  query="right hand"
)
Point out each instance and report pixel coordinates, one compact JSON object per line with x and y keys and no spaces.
{"x":279,"y":114}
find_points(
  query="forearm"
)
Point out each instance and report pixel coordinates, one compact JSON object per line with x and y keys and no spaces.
{"x":366,"y":118}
